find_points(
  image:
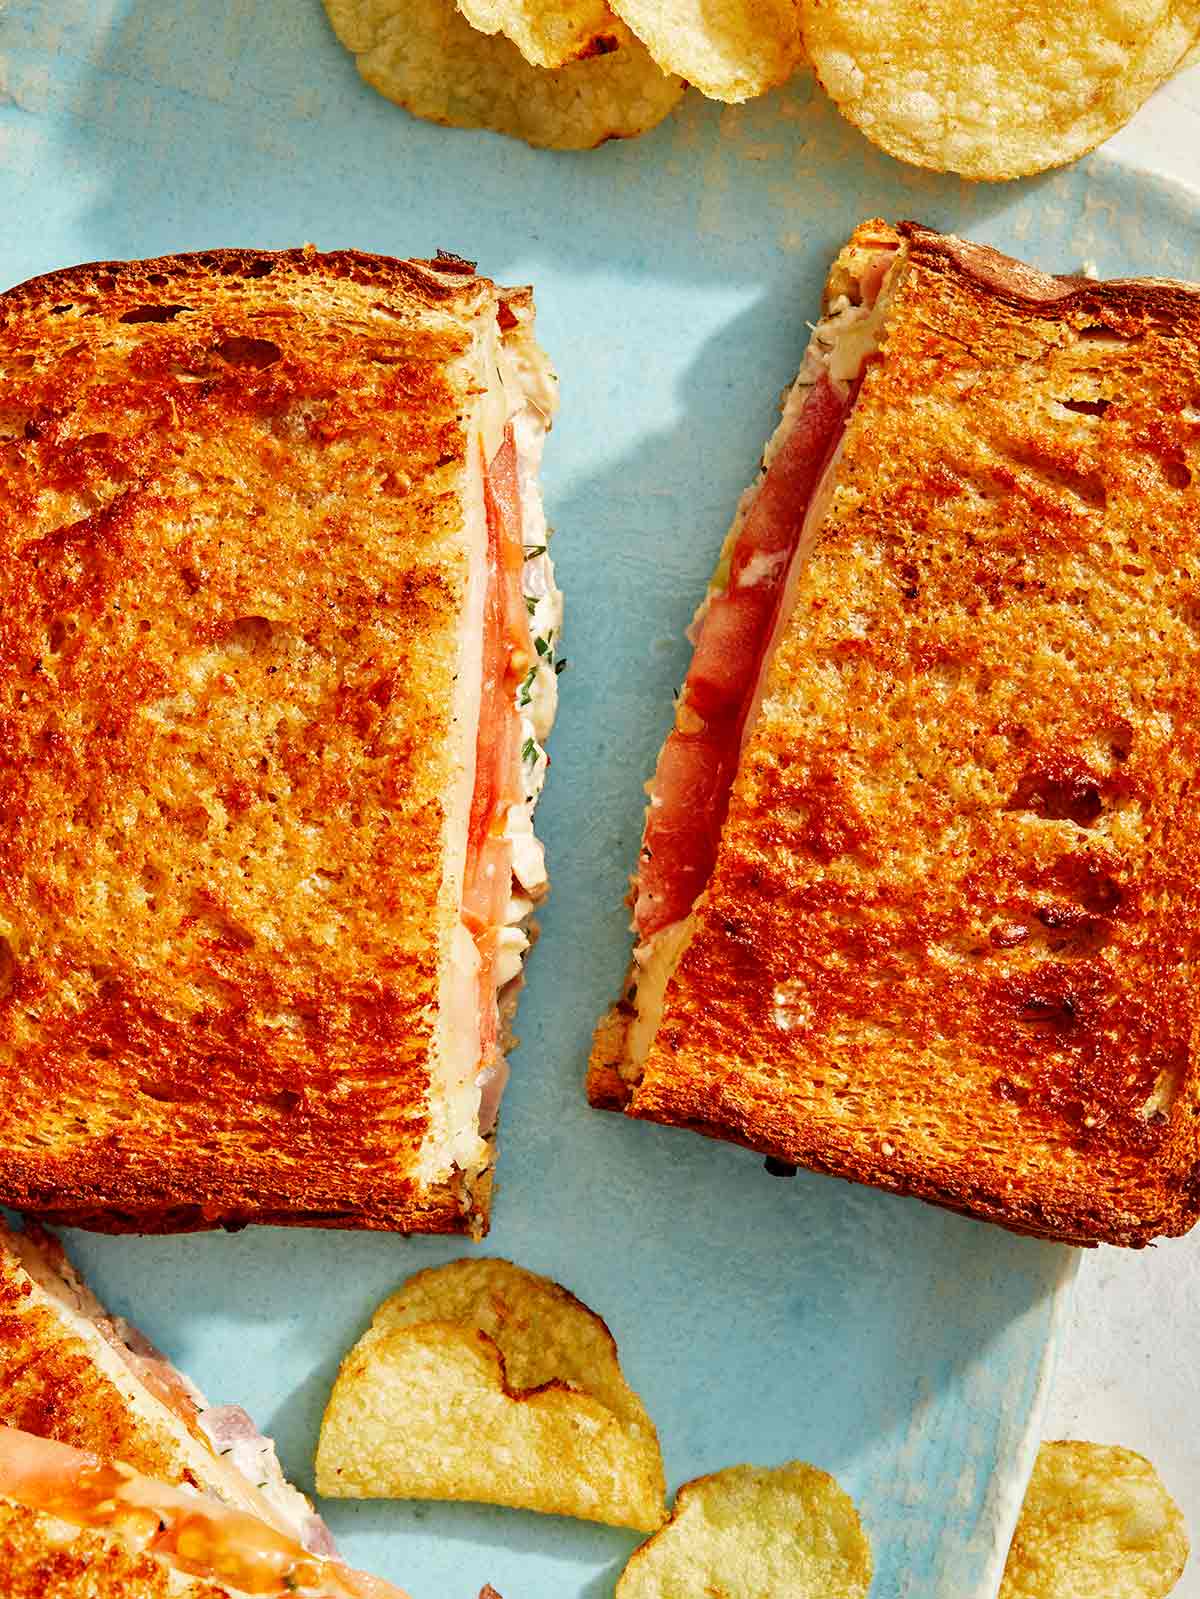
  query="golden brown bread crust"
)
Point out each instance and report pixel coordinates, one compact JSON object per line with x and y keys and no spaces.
{"x":42,"y":1558}
{"x":230,"y":578}
{"x":949,"y":946}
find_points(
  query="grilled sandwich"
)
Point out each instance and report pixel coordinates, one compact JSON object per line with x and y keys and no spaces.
{"x":277,"y":633}
{"x":916,"y":897}
{"x":117,"y":1477}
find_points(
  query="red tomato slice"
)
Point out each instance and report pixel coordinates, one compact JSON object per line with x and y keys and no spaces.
{"x":507,"y":656}
{"x":696,"y":768}
{"x":726,"y":656}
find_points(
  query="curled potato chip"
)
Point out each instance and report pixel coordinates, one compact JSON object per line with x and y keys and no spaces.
{"x":1096,"y":1521}
{"x":426,"y":56}
{"x":547,"y":35}
{"x":482,"y":1381}
{"x":994,"y":88}
{"x":751,"y":1531}
{"x":729,"y":51}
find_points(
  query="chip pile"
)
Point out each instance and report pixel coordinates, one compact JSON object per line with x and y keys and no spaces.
{"x":483,"y":1381}
{"x":990,"y":89}
{"x":567,"y":77}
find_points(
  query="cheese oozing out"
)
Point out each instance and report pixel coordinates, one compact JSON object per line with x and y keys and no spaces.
{"x":842,"y":342}
{"x":186,"y":1532}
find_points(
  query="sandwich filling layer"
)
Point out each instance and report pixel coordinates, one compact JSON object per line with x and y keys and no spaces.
{"x":508,"y":692}
{"x":737,"y":627}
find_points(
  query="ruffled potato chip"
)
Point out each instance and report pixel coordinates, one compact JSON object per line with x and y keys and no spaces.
{"x":547,"y":35}
{"x":729,"y":51}
{"x":994,"y":88}
{"x":484,"y":1382}
{"x":1097,"y":1523}
{"x":751,"y":1531}
{"x":426,"y":56}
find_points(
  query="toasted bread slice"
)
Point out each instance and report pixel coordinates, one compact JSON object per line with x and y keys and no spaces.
{"x":240,"y":678}
{"x":949,"y":943}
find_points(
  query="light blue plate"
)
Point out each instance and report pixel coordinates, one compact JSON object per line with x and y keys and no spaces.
{"x":901,"y":1348}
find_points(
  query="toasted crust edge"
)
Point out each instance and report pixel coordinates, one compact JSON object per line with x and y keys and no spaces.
{"x":445,"y":278}
{"x":1004,"y":276}
{"x":452,"y":1208}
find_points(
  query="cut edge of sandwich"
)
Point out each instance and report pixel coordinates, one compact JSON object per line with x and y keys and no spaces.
{"x":512,"y":412}
{"x":216,"y":1450}
{"x":858,"y":292}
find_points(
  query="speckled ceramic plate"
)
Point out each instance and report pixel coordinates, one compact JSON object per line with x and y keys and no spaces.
{"x":901,"y":1348}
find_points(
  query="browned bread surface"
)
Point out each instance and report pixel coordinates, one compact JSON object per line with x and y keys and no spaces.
{"x":949,"y":947}
{"x":230,"y":581}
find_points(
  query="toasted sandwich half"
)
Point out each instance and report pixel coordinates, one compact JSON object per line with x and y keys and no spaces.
{"x":73,"y":1374}
{"x":277,"y":633}
{"x":915,"y":900}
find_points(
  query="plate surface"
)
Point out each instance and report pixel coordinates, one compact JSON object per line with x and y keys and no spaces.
{"x":901,"y":1348}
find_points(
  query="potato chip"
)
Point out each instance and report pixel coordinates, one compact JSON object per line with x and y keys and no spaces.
{"x":429,"y":59}
{"x":749,"y":1532}
{"x":482,"y":1381}
{"x":547,"y":35}
{"x":731,"y":51}
{"x":543,"y":1332}
{"x":1097,"y":1523}
{"x":994,"y":88}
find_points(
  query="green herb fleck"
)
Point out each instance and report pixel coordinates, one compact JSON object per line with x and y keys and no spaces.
{"x":560,"y":666}
{"x":530,"y":604}
{"x":532,"y":551}
{"x":529,"y":750}
{"x":525,"y":698}
{"x":541,"y":646}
